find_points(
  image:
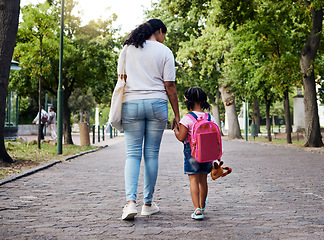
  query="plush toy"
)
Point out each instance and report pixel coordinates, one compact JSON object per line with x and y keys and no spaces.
{"x":218,"y":171}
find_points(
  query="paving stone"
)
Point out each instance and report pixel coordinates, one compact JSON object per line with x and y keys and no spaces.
{"x":272,"y":193}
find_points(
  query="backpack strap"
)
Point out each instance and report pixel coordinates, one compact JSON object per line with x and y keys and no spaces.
{"x":194,"y":116}
{"x":209,"y":117}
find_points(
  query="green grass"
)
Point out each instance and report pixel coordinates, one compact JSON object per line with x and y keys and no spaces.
{"x":3,"y":172}
{"x":48,"y":152}
{"x":28,"y":156}
{"x":283,"y":141}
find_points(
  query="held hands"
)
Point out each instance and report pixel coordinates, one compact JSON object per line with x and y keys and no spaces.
{"x":180,"y":131}
{"x":175,"y":124}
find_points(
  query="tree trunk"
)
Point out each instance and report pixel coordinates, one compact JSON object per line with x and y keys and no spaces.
{"x":256,"y":113}
{"x":87,"y":117}
{"x":287,"y":116}
{"x":81,"y":116}
{"x":268,"y":121}
{"x":215,"y":110}
{"x":228,"y":99}
{"x":66,"y":119}
{"x":9,"y":17}
{"x":313,"y":136}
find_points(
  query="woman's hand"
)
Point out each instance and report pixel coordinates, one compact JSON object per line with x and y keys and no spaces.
{"x":175,"y":124}
{"x":123,"y":76}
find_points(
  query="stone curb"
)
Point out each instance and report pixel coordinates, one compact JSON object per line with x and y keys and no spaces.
{"x":47,"y":165}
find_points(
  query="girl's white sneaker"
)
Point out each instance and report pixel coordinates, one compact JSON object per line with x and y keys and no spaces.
{"x":149,"y":210}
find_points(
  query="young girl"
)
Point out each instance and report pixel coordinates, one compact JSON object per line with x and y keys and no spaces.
{"x":196,"y":101}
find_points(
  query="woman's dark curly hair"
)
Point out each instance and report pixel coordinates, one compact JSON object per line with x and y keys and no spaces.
{"x":143,"y":32}
{"x":196,"y":95}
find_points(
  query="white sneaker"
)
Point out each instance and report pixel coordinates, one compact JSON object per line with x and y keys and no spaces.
{"x":149,"y":210}
{"x":129,"y":211}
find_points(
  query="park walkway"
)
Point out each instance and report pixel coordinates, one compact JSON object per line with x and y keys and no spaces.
{"x":273,"y":192}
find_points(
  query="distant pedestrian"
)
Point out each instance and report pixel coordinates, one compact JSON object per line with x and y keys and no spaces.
{"x":150,"y":81}
{"x":51,"y":123}
{"x":196,"y":102}
{"x":42,"y":120}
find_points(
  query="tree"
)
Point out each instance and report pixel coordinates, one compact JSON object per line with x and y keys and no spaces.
{"x":89,"y":58}
{"x":39,"y":25}
{"x":278,"y":31}
{"x":228,"y":99}
{"x":256,"y":113}
{"x":197,"y":57}
{"x":262,"y":62}
{"x":313,"y":136}
{"x":82,"y":102}
{"x":250,"y":48}
{"x":283,"y":38}
{"x":88,"y":63}
{"x":9,"y":17}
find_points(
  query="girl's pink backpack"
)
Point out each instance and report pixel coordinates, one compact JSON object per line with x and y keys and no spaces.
{"x":205,"y":141}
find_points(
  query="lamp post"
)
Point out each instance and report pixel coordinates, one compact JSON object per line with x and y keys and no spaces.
{"x":60,"y":90}
{"x":246,"y":120}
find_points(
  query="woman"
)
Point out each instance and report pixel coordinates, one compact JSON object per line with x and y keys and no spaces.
{"x":149,"y":70}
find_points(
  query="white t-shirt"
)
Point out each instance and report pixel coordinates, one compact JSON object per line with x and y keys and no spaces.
{"x":147,"y":69}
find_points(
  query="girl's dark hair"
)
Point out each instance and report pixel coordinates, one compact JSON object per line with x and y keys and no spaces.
{"x":143,"y":32}
{"x":196,"y":95}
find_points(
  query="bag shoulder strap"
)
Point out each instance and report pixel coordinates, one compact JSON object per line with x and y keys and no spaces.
{"x":125,"y":60}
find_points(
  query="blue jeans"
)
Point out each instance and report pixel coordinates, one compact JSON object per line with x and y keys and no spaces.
{"x":143,"y":121}
{"x":191,"y":165}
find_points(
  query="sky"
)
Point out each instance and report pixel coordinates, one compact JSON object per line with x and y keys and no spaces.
{"x":130,"y":12}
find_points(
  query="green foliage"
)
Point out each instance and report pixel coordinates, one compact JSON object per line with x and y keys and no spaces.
{"x":321,"y":92}
{"x":237,"y":46}
{"x":104,"y":114}
{"x":263,"y":60}
{"x":35,"y":44}
{"x":183,"y":25}
{"x":319,"y":71}
{"x":90,"y":53}
{"x":82,"y":100}
{"x":234,"y":13}
{"x":50,"y":2}
{"x":28,"y":109}
{"x":251,"y":47}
